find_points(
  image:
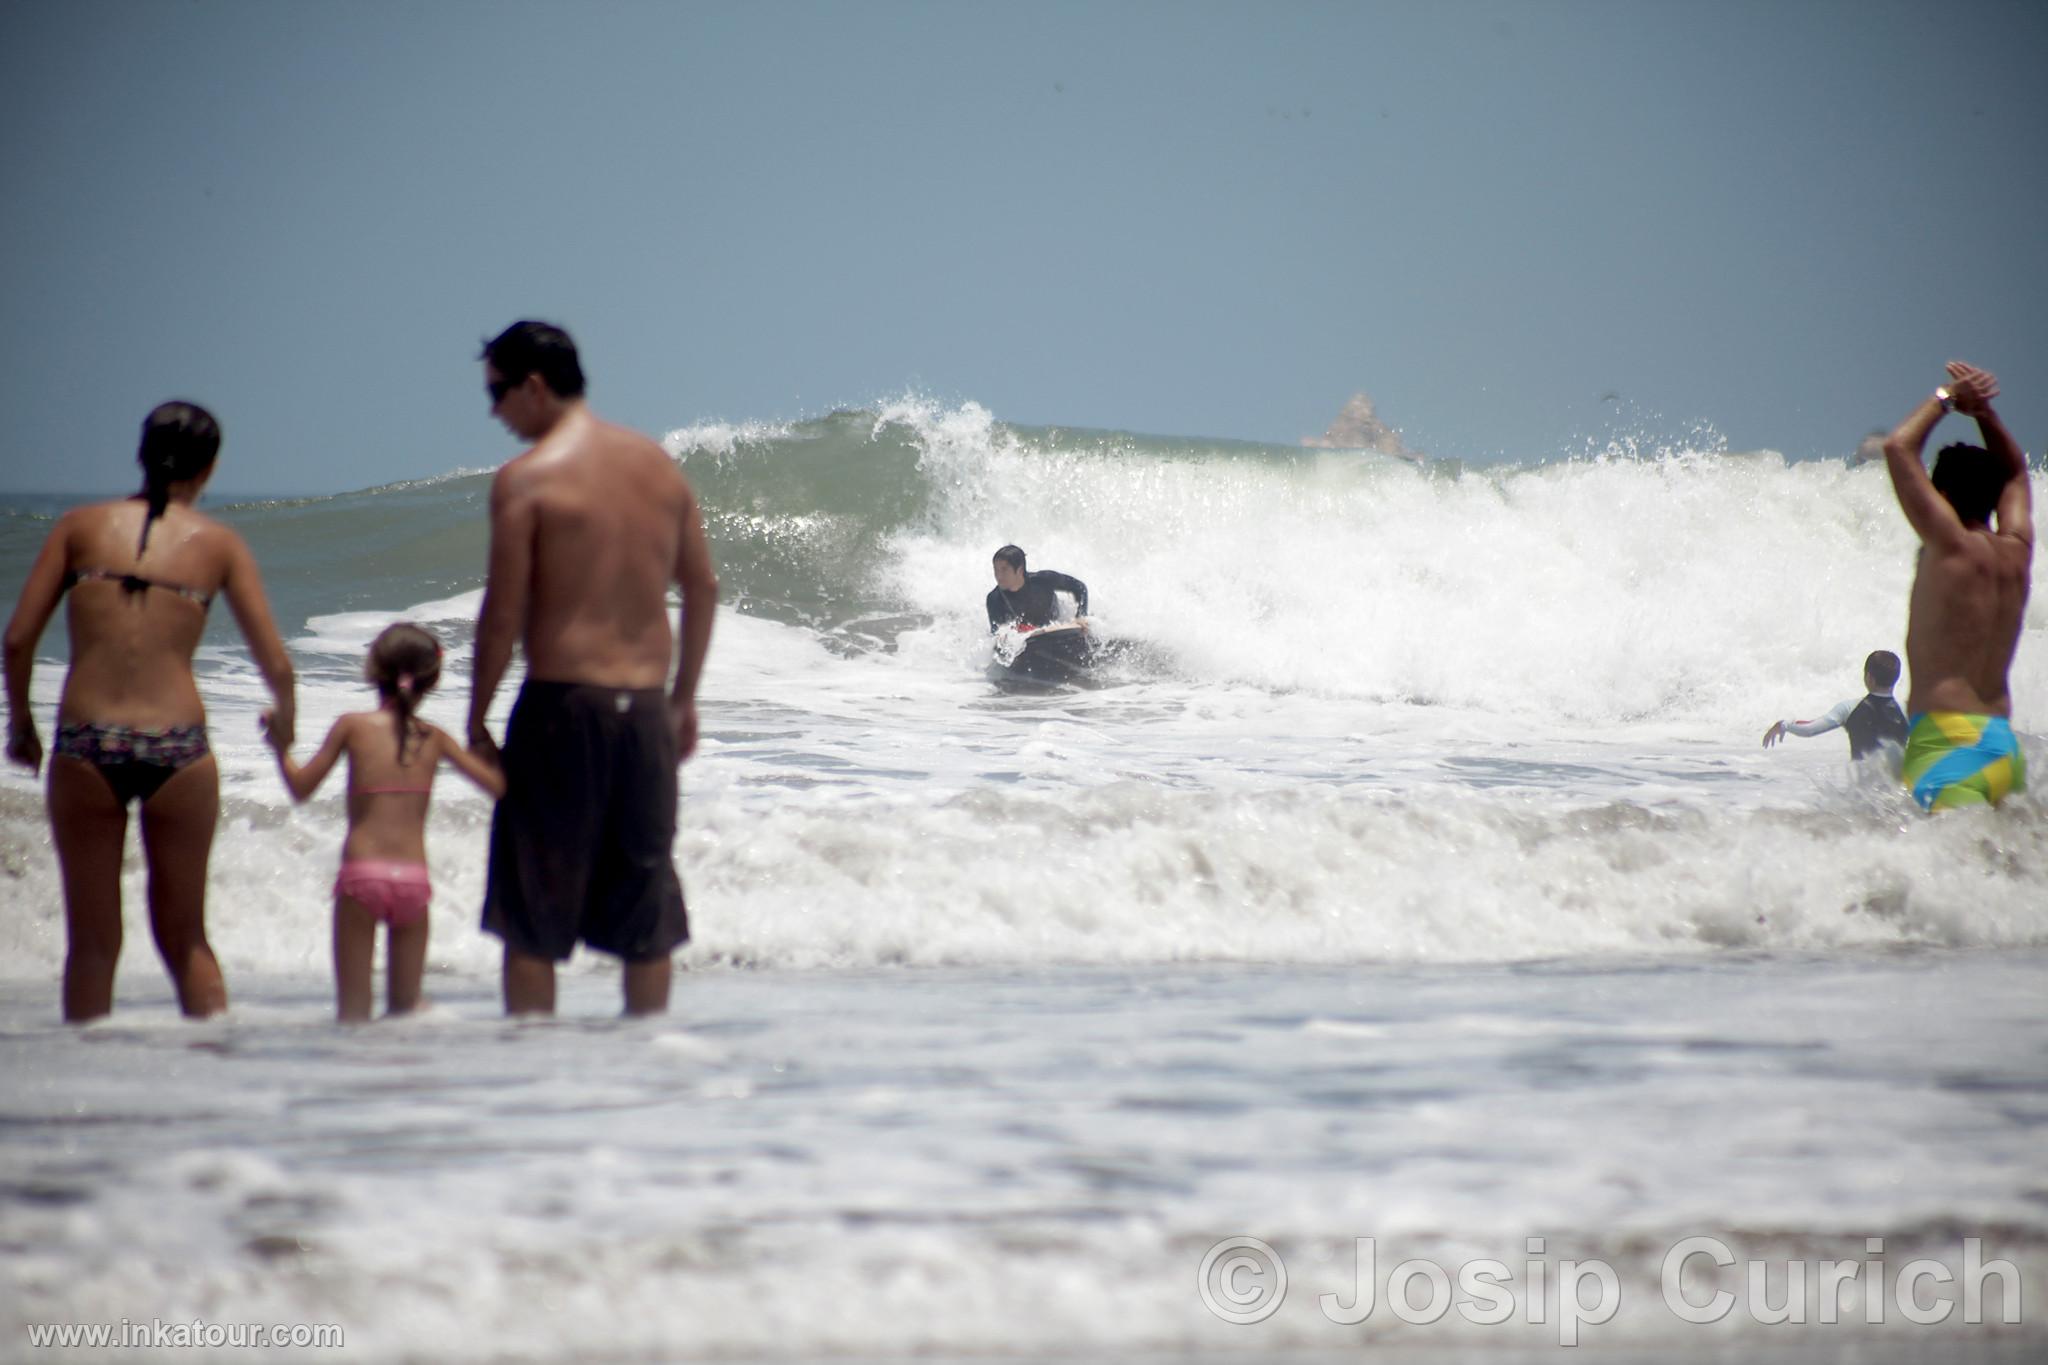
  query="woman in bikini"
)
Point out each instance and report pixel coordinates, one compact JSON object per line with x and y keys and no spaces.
{"x":141,"y":573}
{"x":392,"y":755}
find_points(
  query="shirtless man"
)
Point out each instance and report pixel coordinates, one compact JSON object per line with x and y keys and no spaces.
{"x":588,"y":529}
{"x":1969,"y":596}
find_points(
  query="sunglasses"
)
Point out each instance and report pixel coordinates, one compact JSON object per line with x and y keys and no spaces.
{"x":498,"y":388}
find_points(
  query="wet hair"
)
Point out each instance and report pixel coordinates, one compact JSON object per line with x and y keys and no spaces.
{"x":539,"y":348}
{"x":1971,"y":480}
{"x":1882,"y":668}
{"x":1011,"y":556}
{"x":405,"y":663}
{"x":179,"y":442}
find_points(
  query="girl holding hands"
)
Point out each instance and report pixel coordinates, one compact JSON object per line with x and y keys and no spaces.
{"x":392,"y":756}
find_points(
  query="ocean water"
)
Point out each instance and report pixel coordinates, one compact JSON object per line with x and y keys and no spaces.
{"x":1420,"y":879}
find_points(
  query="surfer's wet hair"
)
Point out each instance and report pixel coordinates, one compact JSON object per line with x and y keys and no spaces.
{"x":539,"y":348}
{"x":1011,"y":556}
{"x":1971,"y":479}
{"x":1882,"y":668}
{"x":179,"y":442}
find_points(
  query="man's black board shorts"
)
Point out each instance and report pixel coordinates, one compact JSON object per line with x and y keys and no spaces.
{"x":581,"y":842}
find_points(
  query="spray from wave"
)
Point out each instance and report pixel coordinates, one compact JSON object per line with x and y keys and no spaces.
{"x":1642,"y":582}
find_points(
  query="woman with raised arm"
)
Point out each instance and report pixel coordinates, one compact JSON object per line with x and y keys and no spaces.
{"x":141,"y":573}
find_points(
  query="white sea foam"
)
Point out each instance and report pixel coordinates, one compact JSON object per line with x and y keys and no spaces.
{"x":807,"y":1164}
{"x":1392,"y":714}
{"x":722,"y":438}
{"x":1596,"y":593}
{"x":828,"y":823}
{"x":1427,"y":882}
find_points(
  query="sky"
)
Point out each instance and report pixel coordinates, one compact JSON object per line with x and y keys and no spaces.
{"x":1769,"y":221}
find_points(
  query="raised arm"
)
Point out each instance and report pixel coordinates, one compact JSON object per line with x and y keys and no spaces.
{"x":244,"y":587}
{"x":699,"y":582}
{"x":1927,"y":512}
{"x":473,"y":764}
{"x":302,"y":782}
{"x":32,"y":612}
{"x":502,"y":615}
{"x":1973,"y":390}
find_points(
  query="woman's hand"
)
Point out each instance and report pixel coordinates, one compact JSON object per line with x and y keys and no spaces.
{"x":25,"y":746}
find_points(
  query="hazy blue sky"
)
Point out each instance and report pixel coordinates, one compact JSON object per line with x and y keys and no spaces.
{"x":1777,"y":218}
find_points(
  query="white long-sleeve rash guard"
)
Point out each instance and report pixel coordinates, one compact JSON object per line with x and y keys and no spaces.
{"x":1833,"y":720}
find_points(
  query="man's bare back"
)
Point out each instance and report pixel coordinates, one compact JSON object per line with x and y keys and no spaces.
{"x":588,"y":529}
{"x":599,"y":513}
{"x":1970,"y":591}
{"x":1963,"y":625}
{"x":1969,"y":595}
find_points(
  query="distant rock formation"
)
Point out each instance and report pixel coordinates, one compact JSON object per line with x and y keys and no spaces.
{"x":1358,"y":427}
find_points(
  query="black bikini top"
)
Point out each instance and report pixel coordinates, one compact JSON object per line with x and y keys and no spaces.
{"x":135,"y":582}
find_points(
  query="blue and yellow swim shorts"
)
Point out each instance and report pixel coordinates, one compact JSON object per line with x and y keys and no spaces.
{"x":1953,"y":759}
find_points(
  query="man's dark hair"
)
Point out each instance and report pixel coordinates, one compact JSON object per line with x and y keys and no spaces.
{"x":1011,"y":556}
{"x":539,"y":348}
{"x":1882,"y":668}
{"x":179,"y":442}
{"x":1971,"y":479}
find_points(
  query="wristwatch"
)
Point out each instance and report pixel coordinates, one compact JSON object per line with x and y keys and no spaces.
{"x":1945,"y":398}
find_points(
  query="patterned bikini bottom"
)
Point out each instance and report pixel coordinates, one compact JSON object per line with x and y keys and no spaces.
{"x":134,"y":762}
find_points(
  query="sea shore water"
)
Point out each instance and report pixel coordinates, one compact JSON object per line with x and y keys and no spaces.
{"x":1036,"y":1161}
{"x":1426,"y":884}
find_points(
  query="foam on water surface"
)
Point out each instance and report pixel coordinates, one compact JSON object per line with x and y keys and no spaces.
{"x":1424,"y":880}
{"x":1021,"y":1160}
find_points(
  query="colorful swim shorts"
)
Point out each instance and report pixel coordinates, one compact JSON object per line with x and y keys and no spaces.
{"x":1953,"y":759}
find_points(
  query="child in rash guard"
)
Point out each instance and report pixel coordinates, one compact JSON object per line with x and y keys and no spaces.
{"x":1874,"y":723}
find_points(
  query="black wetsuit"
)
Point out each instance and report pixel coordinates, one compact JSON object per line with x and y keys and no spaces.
{"x":1871,"y":724}
{"x":1876,"y":722}
{"x":1034,"y":603}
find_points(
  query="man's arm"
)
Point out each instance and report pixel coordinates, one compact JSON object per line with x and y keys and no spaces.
{"x":1973,"y":390}
{"x":478,"y":767}
{"x":1927,"y":512}
{"x":501,"y":618}
{"x":699,"y":581}
{"x":1065,"y":582}
{"x":998,"y":610}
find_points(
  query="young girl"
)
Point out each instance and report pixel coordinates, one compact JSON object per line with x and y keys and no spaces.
{"x":392,"y":755}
